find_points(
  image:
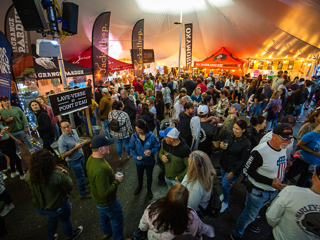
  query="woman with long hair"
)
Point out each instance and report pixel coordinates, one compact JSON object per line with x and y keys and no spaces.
{"x":159,"y":109}
{"x":8,"y":147}
{"x":49,"y":186}
{"x":309,"y":125}
{"x":273,"y":110}
{"x":235,"y":151}
{"x":122,"y":136}
{"x":170,"y":216}
{"x":143,"y":146}
{"x":199,"y":180}
{"x":147,"y":116}
{"x":201,"y":85}
{"x":54,"y":119}
{"x":256,"y":129}
{"x":258,"y":100}
{"x":44,"y":126}
{"x":196,"y":95}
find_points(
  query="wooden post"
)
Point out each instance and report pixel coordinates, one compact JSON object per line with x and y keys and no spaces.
{"x":89,"y":121}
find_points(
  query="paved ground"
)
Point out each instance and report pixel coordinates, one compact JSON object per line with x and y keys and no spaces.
{"x":25,"y":223}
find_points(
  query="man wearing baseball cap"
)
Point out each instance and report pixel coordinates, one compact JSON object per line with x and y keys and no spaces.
{"x":213,"y":92}
{"x":104,"y":184}
{"x":174,"y":153}
{"x":220,"y":83}
{"x":232,"y":118}
{"x":265,"y":170}
{"x":289,"y":121}
{"x":294,"y":214}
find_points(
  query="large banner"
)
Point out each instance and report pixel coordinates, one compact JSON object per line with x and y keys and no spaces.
{"x":5,"y":66}
{"x":100,"y":47}
{"x":137,"y":47}
{"x":19,"y":40}
{"x":188,"y":37}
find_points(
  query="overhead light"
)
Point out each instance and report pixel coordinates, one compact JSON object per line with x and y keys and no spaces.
{"x":286,"y":56}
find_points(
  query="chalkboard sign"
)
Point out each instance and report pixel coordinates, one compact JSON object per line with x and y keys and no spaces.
{"x":70,"y":101}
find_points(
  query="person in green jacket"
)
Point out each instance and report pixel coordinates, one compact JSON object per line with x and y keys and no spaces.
{"x":49,"y":186}
{"x":174,"y":153}
{"x":148,"y":84}
{"x":17,"y":122}
{"x":104,"y":184}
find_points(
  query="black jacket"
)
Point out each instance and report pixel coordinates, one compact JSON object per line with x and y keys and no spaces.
{"x":254,"y":136}
{"x":185,"y":130}
{"x":129,"y":108}
{"x":160,"y":110}
{"x":297,"y":99}
{"x":234,"y":158}
{"x":44,"y":125}
{"x":149,"y":118}
{"x":190,"y":85}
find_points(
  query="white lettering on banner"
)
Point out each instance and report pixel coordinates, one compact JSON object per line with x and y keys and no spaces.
{"x":20,"y":33}
{"x":188,"y":37}
{"x":4,"y":62}
{"x":81,"y":58}
{"x":57,"y":74}
{"x":5,"y":83}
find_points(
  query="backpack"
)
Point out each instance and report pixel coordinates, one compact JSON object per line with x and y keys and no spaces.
{"x":115,"y":126}
{"x":214,"y":205}
{"x":277,"y":108}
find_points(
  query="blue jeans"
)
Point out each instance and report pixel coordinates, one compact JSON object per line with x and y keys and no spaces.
{"x":105,"y":124}
{"x":256,"y":109}
{"x":225,"y":184}
{"x":77,"y":167}
{"x":24,"y":138}
{"x":61,"y":214}
{"x":112,"y":214}
{"x":56,"y":132}
{"x":271,"y":124}
{"x":255,"y":201}
{"x":171,"y":183}
{"x":125,"y":142}
{"x":263,"y":105}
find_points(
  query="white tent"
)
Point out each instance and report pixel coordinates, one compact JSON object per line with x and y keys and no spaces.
{"x":173,"y":61}
{"x":247,"y":28}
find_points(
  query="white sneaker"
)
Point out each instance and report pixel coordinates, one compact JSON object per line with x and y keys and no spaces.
{"x":13,"y":175}
{"x":224,"y":206}
{"x":56,"y":236}
{"x":221,"y":197}
{"x":23,"y":177}
{"x":7,"y":209}
{"x":4,"y":177}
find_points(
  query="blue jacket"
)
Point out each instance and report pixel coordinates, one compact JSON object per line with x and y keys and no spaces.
{"x":137,"y":149}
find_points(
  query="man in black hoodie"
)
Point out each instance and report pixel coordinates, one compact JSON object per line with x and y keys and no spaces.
{"x":185,"y":118}
{"x":190,"y":85}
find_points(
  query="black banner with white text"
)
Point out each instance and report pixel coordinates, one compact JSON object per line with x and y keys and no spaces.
{"x":137,"y":47}
{"x":188,"y":37}
{"x":100,"y":47}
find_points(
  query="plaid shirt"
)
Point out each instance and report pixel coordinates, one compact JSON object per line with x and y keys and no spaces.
{"x":123,"y":119}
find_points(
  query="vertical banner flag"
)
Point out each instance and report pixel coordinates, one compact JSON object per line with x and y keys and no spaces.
{"x":19,"y":40}
{"x":5,"y":66}
{"x":137,"y":47}
{"x":100,"y":47}
{"x":188,"y":37}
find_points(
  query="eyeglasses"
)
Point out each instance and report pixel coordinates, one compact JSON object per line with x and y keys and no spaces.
{"x":66,"y":127}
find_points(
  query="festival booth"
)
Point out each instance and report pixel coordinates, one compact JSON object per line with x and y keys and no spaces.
{"x":85,"y":60}
{"x":221,"y":61}
{"x":302,"y":68}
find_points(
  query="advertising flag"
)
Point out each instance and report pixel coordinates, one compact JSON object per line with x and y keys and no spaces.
{"x":137,"y":47}
{"x":5,"y":66}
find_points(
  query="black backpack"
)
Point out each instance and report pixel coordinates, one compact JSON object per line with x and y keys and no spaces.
{"x":115,"y":126}
{"x":3,"y":161}
{"x":214,"y":205}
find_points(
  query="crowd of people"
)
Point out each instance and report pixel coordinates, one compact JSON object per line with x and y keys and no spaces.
{"x":182,"y":125}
